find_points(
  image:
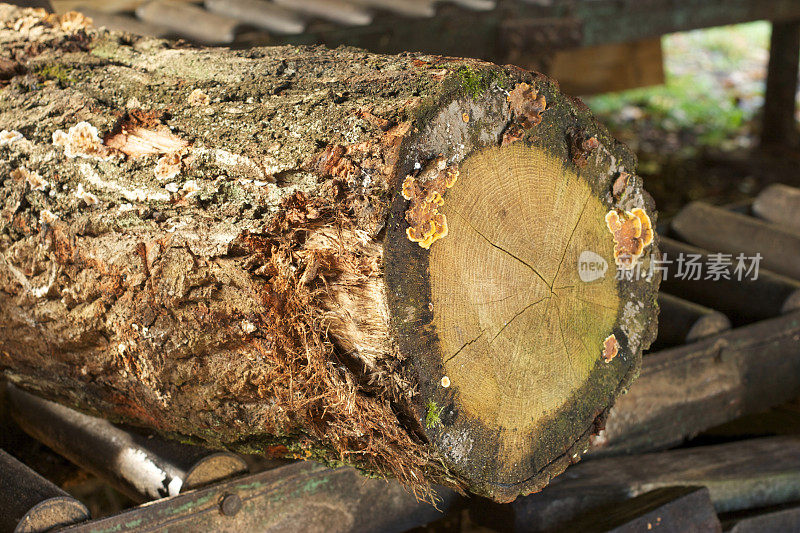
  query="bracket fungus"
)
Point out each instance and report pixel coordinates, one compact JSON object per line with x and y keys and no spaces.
{"x":426,"y":223}
{"x":632,"y":233}
{"x":527,"y":105}
{"x":9,"y":136}
{"x":32,"y":178}
{"x":82,"y":140}
{"x":610,"y":348}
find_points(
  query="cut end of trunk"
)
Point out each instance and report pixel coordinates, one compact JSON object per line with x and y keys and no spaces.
{"x":511,"y":315}
{"x":520,"y":333}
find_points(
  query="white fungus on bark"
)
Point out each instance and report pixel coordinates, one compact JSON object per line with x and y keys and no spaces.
{"x":10,"y":136}
{"x":82,"y":140}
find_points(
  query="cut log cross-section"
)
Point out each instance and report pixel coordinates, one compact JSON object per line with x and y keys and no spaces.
{"x":404,"y":263}
{"x":519,"y":334}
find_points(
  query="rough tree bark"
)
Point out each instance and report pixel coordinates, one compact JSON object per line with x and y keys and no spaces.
{"x":327,"y":254}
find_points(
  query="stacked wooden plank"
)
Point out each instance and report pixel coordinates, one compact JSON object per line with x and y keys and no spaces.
{"x":226,"y":21}
{"x":189,"y":488}
{"x":497,"y":30}
{"x":590,"y":46}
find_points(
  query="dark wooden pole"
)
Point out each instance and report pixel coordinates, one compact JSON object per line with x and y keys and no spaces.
{"x":779,"y":127}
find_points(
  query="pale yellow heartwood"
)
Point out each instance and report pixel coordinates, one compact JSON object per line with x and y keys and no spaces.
{"x":520,"y":331}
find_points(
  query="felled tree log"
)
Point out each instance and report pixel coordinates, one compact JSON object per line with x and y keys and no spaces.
{"x":394,"y":262}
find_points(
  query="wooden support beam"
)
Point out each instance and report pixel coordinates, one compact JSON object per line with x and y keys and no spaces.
{"x":31,"y":504}
{"x":259,"y":13}
{"x":741,"y":475}
{"x":781,"y":420}
{"x":517,"y":27}
{"x":743,"y":302}
{"x":685,"y":390}
{"x":779,"y":204}
{"x":296,"y":497}
{"x":666,"y":510}
{"x":681,"y":321}
{"x":604,"y":68}
{"x":126,"y":23}
{"x":779,"y":125}
{"x":723,"y":231}
{"x":140,"y":466}
{"x":190,"y":20}
{"x":785,"y":519}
